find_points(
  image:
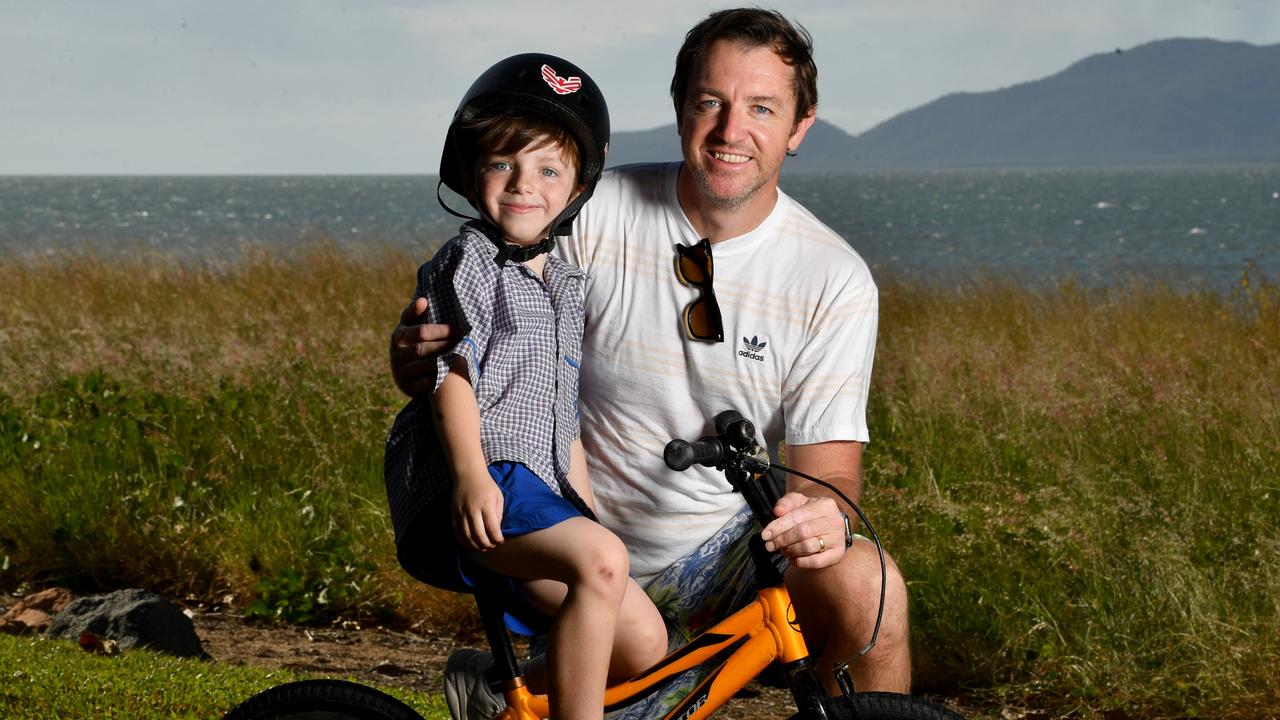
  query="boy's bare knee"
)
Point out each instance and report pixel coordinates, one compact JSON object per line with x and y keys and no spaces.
{"x":605,"y":567}
{"x":643,"y":647}
{"x":657,"y":643}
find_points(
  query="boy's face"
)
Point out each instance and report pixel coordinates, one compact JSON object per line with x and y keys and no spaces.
{"x":523,"y":192}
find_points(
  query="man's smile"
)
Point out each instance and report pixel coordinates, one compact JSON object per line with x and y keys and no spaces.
{"x":730,"y":157}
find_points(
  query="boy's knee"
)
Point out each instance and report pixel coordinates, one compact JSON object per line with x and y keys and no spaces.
{"x":644,"y":645}
{"x":658,"y":643}
{"x":606,"y":565}
{"x":653,"y":650}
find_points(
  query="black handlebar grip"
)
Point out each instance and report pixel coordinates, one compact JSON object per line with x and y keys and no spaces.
{"x":736,"y":430}
{"x":682,"y":454}
{"x":723,"y":420}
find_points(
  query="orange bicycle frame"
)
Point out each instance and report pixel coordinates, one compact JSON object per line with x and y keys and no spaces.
{"x":740,"y":647}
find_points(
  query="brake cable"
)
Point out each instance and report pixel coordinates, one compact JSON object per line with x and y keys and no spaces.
{"x":842,"y":669}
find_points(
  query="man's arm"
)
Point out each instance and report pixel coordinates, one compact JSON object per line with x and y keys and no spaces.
{"x":809,"y":511}
{"x":414,"y":345}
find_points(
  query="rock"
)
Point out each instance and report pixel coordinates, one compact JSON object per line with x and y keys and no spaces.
{"x":34,"y":613}
{"x":26,"y":622}
{"x":132,"y":618}
{"x":390,"y":669}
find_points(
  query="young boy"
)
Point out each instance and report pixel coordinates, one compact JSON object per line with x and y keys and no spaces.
{"x":500,"y":433}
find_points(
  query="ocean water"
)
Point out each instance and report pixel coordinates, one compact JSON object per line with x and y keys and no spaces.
{"x":1199,"y":227}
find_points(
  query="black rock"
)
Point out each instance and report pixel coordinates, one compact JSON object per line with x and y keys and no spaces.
{"x":133,"y":618}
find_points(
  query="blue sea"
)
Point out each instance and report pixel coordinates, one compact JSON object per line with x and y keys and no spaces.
{"x":1198,"y":227}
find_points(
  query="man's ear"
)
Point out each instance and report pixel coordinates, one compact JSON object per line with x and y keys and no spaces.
{"x":801,"y":127}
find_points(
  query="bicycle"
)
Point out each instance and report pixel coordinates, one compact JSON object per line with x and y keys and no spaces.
{"x":739,"y":647}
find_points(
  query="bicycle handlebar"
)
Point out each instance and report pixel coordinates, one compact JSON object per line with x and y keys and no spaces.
{"x":736,"y":437}
{"x":681,"y":454}
{"x":734,"y":450}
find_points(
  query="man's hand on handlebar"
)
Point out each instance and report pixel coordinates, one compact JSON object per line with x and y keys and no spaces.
{"x":809,"y":531}
{"x":414,"y":345}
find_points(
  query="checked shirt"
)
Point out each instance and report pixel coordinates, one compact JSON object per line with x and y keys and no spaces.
{"x":522,"y":343}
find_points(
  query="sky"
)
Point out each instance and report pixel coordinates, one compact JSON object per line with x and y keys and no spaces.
{"x":368,"y":86}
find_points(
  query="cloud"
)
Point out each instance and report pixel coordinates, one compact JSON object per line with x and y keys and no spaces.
{"x":369,"y":86}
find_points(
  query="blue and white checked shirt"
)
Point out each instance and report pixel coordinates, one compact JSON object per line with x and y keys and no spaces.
{"x":522,"y":342}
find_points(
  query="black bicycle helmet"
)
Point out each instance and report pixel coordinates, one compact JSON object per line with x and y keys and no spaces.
{"x":546,"y":84}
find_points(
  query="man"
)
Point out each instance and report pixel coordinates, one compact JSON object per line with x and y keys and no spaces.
{"x":797,"y":312}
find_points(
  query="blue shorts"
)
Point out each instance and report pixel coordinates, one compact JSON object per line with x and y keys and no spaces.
{"x":528,"y":505}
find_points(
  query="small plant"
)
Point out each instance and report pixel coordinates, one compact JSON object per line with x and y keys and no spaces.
{"x":329,"y":587}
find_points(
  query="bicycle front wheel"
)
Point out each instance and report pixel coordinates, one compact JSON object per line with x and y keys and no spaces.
{"x":322,"y":700}
{"x":886,"y":706}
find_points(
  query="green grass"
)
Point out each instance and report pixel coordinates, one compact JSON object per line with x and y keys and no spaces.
{"x":1082,"y":486}
{"x":1083,"y":489}
{"x":44,"y":679}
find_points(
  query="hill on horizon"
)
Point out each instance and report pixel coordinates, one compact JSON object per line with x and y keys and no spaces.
{"x":1167,"y":102}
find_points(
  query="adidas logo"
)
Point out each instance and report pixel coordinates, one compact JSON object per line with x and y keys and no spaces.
{"x":752,"y":348}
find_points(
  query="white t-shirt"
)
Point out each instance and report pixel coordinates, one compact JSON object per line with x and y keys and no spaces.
{"x":800,"y":312}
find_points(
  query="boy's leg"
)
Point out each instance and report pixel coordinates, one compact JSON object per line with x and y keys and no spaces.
{"x":639,"y":642}
{"x":578,"y":572}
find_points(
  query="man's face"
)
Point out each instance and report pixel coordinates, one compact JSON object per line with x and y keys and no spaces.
{"x":739,"y":121}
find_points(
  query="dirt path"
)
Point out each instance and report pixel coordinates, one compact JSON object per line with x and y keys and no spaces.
{"x":382,"y":657}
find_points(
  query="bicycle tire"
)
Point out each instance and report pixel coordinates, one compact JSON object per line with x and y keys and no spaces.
{"x":322,"y":700}
{"x":887,"y":706}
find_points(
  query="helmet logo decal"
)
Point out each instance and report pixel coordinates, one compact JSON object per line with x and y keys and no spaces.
{"x":562,"y":86}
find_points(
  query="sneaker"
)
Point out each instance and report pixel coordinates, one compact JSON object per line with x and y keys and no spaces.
{"x":466,"y":686}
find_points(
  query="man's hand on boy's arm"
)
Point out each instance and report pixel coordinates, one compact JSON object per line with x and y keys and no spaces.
{"x":809,"y":511}
{"x":414,"y":345}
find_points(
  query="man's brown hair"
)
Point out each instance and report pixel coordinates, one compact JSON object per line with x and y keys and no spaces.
{"x":752,"y":27}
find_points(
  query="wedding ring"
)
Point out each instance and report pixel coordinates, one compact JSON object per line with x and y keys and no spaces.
{"x":822,"y":544}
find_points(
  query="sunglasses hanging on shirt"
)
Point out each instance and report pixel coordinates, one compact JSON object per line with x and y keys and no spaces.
{"x":694,"y":267}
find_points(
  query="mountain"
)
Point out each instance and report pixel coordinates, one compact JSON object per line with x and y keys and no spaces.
{"x":1167,"y":102}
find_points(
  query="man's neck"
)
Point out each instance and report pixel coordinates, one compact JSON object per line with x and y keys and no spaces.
{"x":718,"y":224}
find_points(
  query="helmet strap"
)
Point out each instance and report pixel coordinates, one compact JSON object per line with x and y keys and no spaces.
{"x":524,"y":253}
{"x":507,"y":251}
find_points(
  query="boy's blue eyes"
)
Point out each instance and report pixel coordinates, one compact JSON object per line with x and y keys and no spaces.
{"x":505,"y":166}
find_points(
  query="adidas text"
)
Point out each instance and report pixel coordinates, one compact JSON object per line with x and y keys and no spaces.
{"x":753,"y":356}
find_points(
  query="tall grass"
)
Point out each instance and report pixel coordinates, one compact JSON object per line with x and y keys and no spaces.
{"x":205,"y":431}
{"x":1082,"y":486}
